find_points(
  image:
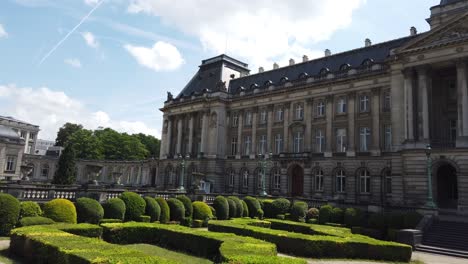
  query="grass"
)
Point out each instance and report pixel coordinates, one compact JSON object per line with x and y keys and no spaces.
{"x":172,"y":255}
{"x":4,"y":238}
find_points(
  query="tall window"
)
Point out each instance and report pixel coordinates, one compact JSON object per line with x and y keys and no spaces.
{"x":319,"y":180}
{"x":364,"y":181}
{"x":388,"y":137}
{"x":262,"y":144}
{"x":364,"y":138}
{"x":279,"y":115}
{"x":245,"y":179}
{"x":263,"y":117}
{"x":340,"y":181}
{"x":32,"y":136}
{"x":388,"y":181}
{"x":299,"y":112}
{"x":10,"y":165}
{"x":387,"y":101}
{"x":45,"y":171}
{"x":341,"y":105}
{"x":298,"y":141}
{"x":320,"y":108}
{"x":453,"y":130}
{"x":235,"y":120}
{"x":234,"y":146}
{"x":341,"y":140}
{"x":23,"y":134}
{"x":278,"y":143}
{"x":364,"y":103}
{"x":319,"y":141}
{"x":247,"y":144}
{"x":248,"y":118}
{"x":277,"y":179}
{"x":231,"y":177}
{"x":170,"y":176}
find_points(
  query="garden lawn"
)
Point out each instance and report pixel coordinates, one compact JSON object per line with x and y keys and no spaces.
{"x":172,"y":255}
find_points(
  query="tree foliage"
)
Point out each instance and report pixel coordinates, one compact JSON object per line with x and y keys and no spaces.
{"x":65,"y":133}
{"x":86,"y":145}
{"x":65,"y":173}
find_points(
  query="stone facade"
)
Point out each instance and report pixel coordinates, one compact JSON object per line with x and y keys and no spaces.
{"x":350,"y":127}
{"x":27,"y":132}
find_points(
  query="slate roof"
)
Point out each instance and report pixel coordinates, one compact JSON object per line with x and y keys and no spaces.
{"x":448,"y":2}
{"x":12,"y":119}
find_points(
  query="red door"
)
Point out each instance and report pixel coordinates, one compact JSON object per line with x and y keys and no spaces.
{"x":297,"y":178}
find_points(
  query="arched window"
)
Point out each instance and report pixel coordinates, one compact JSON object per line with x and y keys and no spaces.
{"x":284,"y":79}
{"x":268,"y":83}
{"x":245,"y":178}
{"x":345,"y":67}
{"x":45,"y":170}
{"x":276,"y":176}
{"x":324,"y":71}
{"x":340,"y":181}
{"x":254,"y":86}
{"x":303,"y":75}
{"x":230,"y":175}
{"x":364,"y":181}
{"x":318,"y":180}
{"x":367,"y":63}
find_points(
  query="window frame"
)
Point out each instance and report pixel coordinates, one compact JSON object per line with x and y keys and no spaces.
{"x":364,"y":139}
{"x":364,"y":181}
{"x":318,"y":179}
{"x":340,"y":178}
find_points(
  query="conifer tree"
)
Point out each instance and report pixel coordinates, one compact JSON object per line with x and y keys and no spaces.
{"x":65,"y":173}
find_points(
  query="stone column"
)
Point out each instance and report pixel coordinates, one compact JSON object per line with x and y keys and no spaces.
{"x":254,"y":131}
{"x":169,"y":136}
{"x":375,"y":132}
{"x":204,"y":132}
{"x":179,"y":135}
{"x":240,"y":123}
{"x":409,"y":109}
{"x":329,"y":116}
{"x":269,"y":128}
{"x":308,"y":124}
{"x":286,"y":127}
{"x":351,"y":149}
{"x":424,"y":101}
{"x":190,"y":136}
{"x":462,"y":92}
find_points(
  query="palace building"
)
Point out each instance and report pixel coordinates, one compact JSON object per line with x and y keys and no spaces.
{"x":352,"y":127}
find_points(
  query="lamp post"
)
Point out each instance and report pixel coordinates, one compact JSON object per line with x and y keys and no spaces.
{"x":263,"y":164}
{"x":430,"y":201}
{"x":182,"y":165}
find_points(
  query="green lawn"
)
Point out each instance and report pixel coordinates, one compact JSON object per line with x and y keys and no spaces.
{"x":172,"y":255}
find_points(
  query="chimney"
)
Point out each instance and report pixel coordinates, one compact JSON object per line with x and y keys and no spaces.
{"x":291,"y":62}
{"x":367,"y":42}
{"x":305,"y":58}
{"x":413,"y":31}
{"x":275,"y":66}
{"x":260,"y":69}
{"x":327,"y":53}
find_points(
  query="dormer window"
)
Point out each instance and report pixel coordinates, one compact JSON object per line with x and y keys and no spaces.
{"x":323,"y":72}
{"x":367,"y":63}
{"x":345,"y":67}
{"x":268,"y":83}
{"x":284,"y":79}
{"x":253,"y":86}
{"x":303,"y":75}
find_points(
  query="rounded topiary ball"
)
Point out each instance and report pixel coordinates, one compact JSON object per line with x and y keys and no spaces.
{"x":232,"y":208}
{"x":30,"y":209}
{"x":246,"y":209}
{"x":134,"y":204}
{"x":268,"y":208}
{"x":60,"y":210}
{"x":280,"y":206}
{"x":253,"y":205}
{"x":239,"y":206}
{"x":201,"y":211}
{"x":114,"y":209}
{"x":221,"y":205}
{"x":165,"y":211}
{"x":337,"y":215}
{"x":152,"y":209}
{"x":177,"y":209}
{"x":299,"y":210}
{"x":89,"y":210}
{"x":325,"y":213}
{"x":9,"y":213}
{"x":187,"y":204}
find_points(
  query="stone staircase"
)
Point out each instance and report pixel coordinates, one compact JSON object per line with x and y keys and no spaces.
{"x":446,"y":237}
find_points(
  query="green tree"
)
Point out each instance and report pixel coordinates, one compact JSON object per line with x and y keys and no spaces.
{"x":120,"y":146}
{"x":86,"y":145}
{"x":65,"y":132}
{"x":151,"y":143}
{"x":66,"y":174}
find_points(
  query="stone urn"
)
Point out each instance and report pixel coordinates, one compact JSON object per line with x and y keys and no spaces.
{"x":26,"y":169}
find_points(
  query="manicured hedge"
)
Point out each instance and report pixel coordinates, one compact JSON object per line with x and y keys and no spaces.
{"x":9,"y":213}
{"x":60,"y":210}
{"x":268,"y":208}
{"x":114,"y":209}
{"x":30,"y":209}
{"x":187,"y":205}
{"x":239,"y":206}
{"x":201,"y":211}
{"x":134,"y":205}
{"x":245,"y":212}
{"x":110,"y":220}
{"x":325,"y":213}
{"x":35,"y":220}
{"x":145,"y":219}
{"x":299,"y":211}
{"x":219,"y":247}
{"x":177,"y":209}
{"x":317,"y":246}
{"x":281,"y":206}
{"x":253,"y":205}
{"x":221,"y":206}
{"x":232,"y":208}
{"x":56,"y":244}
{"x":89,"y":210}
{"x":152,"y":208}
{"x":165,"y":211}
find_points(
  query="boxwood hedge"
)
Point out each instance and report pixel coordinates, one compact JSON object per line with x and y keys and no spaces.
{"x":239,"y":206}
{"x":187,"y":205}
{"x":35,"y":220}
{"x":177,"y":209}
{"x":221,"y":205}
{"x":152,"y":208}
{"x":9,"y":213}
{"x":89,"y":210}
{"x":134,"y":205}
{"x":60,"y":210}
{"x":253,"y":205}
{"x":114,"y":208}
{"x":165,"y":211}
{"x":201,"y":211}
{"x":30,"y":209}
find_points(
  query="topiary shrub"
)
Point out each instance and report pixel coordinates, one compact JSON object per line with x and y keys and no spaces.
{"x":165,"y":211}
{"x":221,"y":206}
{"x":89,"y":210}
{"x":35,"y":220}
{"x":260,"y":214}
{"x":187,"y":205}
{"x":107,"y":221}
{"x":253,"y":205}
{"x":281,"y":206}
{"x":213,"y":211}
{"x":144,"y":218}
{"x":232,"y":208}
{"x":299,"y":211}
{"x":197,"y":223}
{"x":337,"y":215}
{"x":152,"y":208}
{"x":114,"y":209}
{"x":201,"y":211}
{"x":60,"y":210}
{"x":239,"y":206}
{"x":325,"y":213}
{"x":313,"y":213}
{"x":30,"y":209}
{"x":134,"y":206}
{"x":353,"y":217}
{"x":246,"y":209}
{"x":187,"y":221}
{"x":268,"y":208}
{"x":9,"y":213}
{"x":177,"y":209}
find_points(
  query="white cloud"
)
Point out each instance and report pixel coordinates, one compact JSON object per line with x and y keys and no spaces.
{"x":90,"y":39}
{"x":162,"y":56}
{"x":91,"y":2}
{"x":3,"y":33}
{"x":261,"y":31}
{"x":76,"y":63}
{"x":51,"y":109}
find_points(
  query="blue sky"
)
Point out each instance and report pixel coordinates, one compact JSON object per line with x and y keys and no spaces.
{"x":115,"y":68}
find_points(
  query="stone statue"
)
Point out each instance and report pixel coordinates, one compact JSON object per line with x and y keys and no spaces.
{"x":169,"y":96}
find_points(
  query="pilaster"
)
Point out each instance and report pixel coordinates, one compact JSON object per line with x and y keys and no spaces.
{"x":351,"y":150}
{"x":329,"y":116}
{"x":462,"y":104}
{"x":375,"y":150}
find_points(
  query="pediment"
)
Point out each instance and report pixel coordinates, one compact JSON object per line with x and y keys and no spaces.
{"x":453,"y":31}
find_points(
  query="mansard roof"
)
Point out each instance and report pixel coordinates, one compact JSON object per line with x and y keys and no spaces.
{"x":448,"y":2}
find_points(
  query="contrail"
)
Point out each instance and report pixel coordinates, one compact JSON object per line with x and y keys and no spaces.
{"x":71,"y":32}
